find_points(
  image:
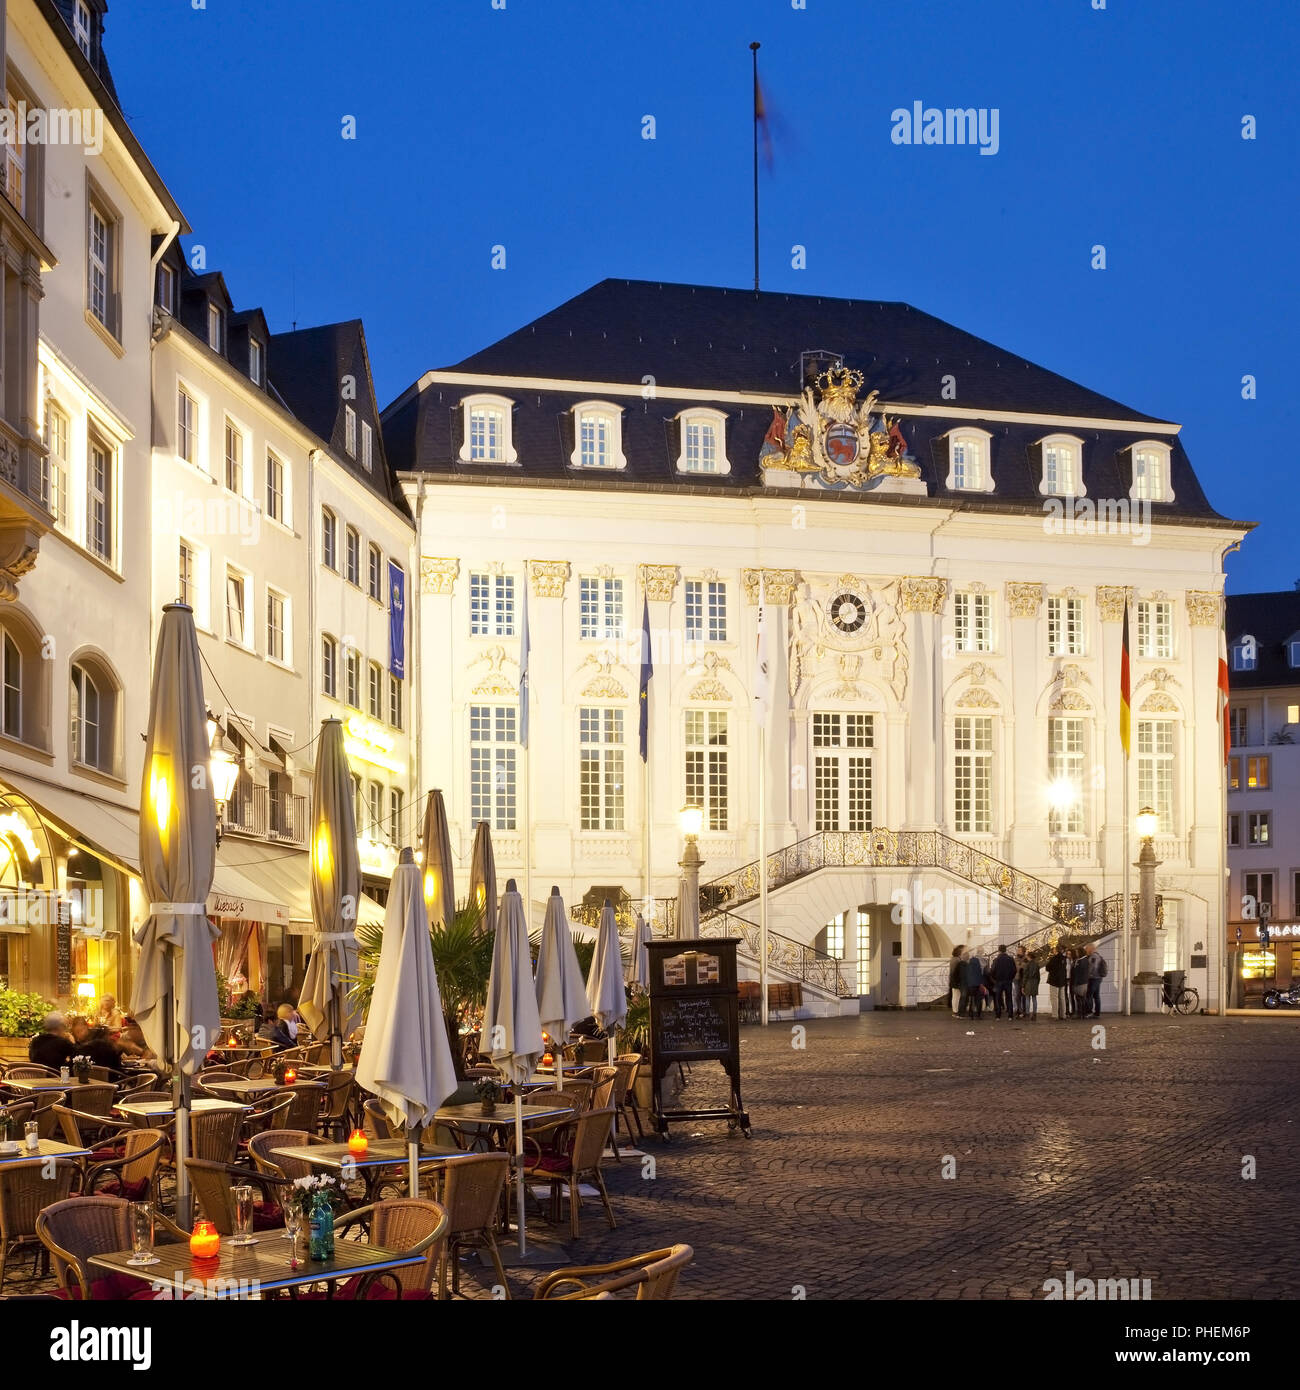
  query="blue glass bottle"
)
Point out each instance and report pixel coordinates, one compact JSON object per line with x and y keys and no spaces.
{"x":321,"y":1227}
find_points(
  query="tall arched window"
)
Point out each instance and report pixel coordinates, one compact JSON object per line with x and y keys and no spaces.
{"x":87,"y":743}
{"x":11,"y":676}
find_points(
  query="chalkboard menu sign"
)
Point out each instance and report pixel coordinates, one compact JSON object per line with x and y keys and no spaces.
{"x":695,"y":1016}
{"x":63,"y":957}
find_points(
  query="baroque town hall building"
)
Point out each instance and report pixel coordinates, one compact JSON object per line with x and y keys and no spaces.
{"x":945,"y":536}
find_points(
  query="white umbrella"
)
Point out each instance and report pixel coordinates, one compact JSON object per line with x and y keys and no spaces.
{"x":406,"y":1059}
{"x":561,"y":1001}
{"x":483,"y":876}
{"x":688,"y":912}
{"x":639,"y":971}
{"x":439,"y":882}
{"x":335,"y":892}
{"x":510,"y":1022}
{"x":174,"y":996}
{"x":606,"y":996}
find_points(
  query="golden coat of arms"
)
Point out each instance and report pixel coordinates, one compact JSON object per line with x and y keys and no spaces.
{"x":830,"y":433}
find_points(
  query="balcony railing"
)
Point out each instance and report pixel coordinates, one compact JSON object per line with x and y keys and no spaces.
{"x":253,"y":811}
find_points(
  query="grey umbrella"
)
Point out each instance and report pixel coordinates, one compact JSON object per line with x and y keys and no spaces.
{"x":439,"y":875}
{"x":335,"y":891}
{"x":406,"y":1059}
{"x":639,"y":972}
{"x":561,"y":1000}
{"x":483,"y":876}
{"x":174,"y":996}
{"x":605,"y":992}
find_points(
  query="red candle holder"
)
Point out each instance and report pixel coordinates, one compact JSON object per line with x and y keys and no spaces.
{"x":205,"y":1241}
{"x":358,"y":1143}
{"x":290,"y":1076}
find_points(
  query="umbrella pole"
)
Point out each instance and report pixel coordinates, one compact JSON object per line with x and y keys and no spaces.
{"x":519,"y":1171}
{"x":181,"y":1104}
{"x":610,"y":1040}
{"x":336,"y":1033}
{"x":413,"y":1159}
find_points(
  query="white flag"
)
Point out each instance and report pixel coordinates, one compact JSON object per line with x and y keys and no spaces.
{"x":762,"y":668}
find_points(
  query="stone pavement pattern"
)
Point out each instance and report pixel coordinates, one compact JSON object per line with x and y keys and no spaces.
{"x":1122,"y":1162}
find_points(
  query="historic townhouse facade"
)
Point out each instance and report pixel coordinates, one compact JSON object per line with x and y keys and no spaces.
{"x":946,"y":536}
{"x":82,"y":199}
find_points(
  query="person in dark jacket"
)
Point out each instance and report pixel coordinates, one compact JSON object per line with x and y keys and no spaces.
{"x":1080,"y":974}
{"x":956,"y":987}
{"x":51,"y":1047}
{"x":1003,"y":971}
{"x":974,"y":983}
{"x":1099,"y":973}
{"x":1017,"y":986}
{"x":1058,"y":980}
{"x":103,"y":1051}
{"x":1030,"y":974}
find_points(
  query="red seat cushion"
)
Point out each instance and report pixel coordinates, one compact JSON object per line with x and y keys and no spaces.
{"x":553,"y":1163}
{"x":267,"y":1216}
{"x":379,"y":1291}
{"x":132,"y":1191}
{"x":114,"y":1288}
{"x":108,"y":1155}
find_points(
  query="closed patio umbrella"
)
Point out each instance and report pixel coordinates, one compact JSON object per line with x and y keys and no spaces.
{"x":561,"y":1000}
{"x":335,"y":891}
{"x":639,"y":971}
{"x":405,"y":1058}
{"x":174,"y":996}
{"x":483,"y":876}
{"x":606,"y":996}
{"x":439,"y":878}
{"x":688,"y":911}
{"x":511,"y":1027}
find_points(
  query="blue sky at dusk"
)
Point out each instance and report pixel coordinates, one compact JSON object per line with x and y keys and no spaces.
{"x":523,"y":127}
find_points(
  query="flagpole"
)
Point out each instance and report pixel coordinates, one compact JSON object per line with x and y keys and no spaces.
{"x":1221,"y":694}
{"x":762,"y":810}
{"x":525,"y":721}
{"x":1126,"y":739}
{"x":753,"y":48}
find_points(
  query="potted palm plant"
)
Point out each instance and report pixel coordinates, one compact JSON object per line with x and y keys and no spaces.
{"x":21,"y":1016}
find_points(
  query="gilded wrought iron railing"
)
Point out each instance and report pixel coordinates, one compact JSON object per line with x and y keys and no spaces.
{"x":795,"y":958}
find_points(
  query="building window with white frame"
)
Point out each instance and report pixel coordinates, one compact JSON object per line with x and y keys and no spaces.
{"x":394,"y":701}
{"x":706,"y":610}
{"x":236,"y":606}
{"x":376,"y":575}
{"x":275,"y":488}
{"x":1234,"y":831}
{"x":255,"y":361}
{"x":1065,"y":775}
{"x":600,"y":768}
{"x":1242,"y":654}
{"x":11,"y":711}
{"x":350,"y":431}
{"x":968,"y":461}
{"x":103,"y":231}
{"x":597,"y":442}
{"x":1238,"y":726}
{"x":375,"y":691}
{"x":973,"y":774}
{"x":1155,"y":749}
{"x":395,"y":816}
{"x":707,"y":770}
{"x":82,"y":28}
{"x":234,"y":457}
{"x":352,"y":556}
{"x":973,"y":620}
{"x":1259,"y":826}
{"x":1155,"y":629}
{"x":100,"y":500}
{"x":375,"y":805}
{"x":329,"y":664}
{"x":1065,"y":627}
{"x":166,"y":287}
{"x":1258,"y":888}
{"x":1061,"y":473}
{"x":842,"y":770}
{"x":492,"y":758}
{"x":187,"y":426}
{"x":491,"y":605}
{"x":486,"y":429}
{"x":352,"y":677}
{"x":600,"y":610}
{"x":277,"y":646}
{"x":88,"y":748}
{"x":1151,"y":473}
{"x":329,"y":531}
{"x":55,"y":491}
{"x":185,"y":577}
{"x":703,"y":442}
{"x":15,"y":159}
{"x":367,"y":447}
{"x":216,"y":327}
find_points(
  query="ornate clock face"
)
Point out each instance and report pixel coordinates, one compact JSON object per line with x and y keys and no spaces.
{"x":848,"y":612}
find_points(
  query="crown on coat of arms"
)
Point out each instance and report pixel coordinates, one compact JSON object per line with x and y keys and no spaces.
{"x":840,"y":383}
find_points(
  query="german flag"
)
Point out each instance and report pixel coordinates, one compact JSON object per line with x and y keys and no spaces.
{"x":1124,"y":686}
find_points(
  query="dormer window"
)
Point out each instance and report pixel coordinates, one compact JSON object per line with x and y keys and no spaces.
{"x":597,"y":436}
{"x":704,"y":442}
{"x":487,"y":430}
{"x":969,"y":457}
{"x":1293,"y":651}
{"x":1062,"y":475}
{"x":1244,"y":651}
{"x":255,"y":361}
{"x":1151,"y":473}
{"x":350,"y":431}
{"x":81,"y":26}
{"x":166,"y":287}
{"x":216,"y":327}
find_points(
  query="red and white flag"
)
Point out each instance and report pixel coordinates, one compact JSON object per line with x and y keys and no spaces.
{"x":1223,"y":694}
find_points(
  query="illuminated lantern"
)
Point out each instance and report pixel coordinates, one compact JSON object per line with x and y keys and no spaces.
{"x":358,"y":1143}
{"x":205,"y":1241}
{"x":290,"y":1076}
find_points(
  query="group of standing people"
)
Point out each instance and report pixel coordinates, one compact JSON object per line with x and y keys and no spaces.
{"x":1010,"y":983}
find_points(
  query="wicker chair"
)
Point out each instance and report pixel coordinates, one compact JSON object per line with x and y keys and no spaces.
{"x":95,"y":1098}
{"x":269,"y":1111}
{"x":24,"y":1189}
{"x":149,"y":1121}
{"x":214,"y":1183}
{"x":104,"y":1074}
{"x":411,"y":1226}
{"x":338,"y":1096}
{"x":653,"y":1275}
{"x":19,"y":1112}
{"x":629,"y":1063}
{"x":261,"y":1145}
{"x":30,"y":1071}
{"x":43,"y":1113}
{"x":375,"y":1121}
{"x":577,"y":1093}
{"x":305,"y":1107}
{"x":471,"y":1192}
{"x":214,"y":1135}
{"x":97,"y":1132}
{"x":134,"y":1175}
{"x":75,"y":1230}
{"x":604,"y":1079}
{"x":582,"y":1160}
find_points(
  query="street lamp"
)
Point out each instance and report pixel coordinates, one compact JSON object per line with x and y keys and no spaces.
{"x":1147,"y":992}
{"x":691,"y":820}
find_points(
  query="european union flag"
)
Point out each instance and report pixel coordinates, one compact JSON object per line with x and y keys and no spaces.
{"x":647,"y":670}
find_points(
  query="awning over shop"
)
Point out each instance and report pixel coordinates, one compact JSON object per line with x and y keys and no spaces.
{"x":108,"y":831}
{"x":285,"y":877}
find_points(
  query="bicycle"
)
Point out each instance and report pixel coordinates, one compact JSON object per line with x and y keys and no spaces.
{"x":1186,"y":1001}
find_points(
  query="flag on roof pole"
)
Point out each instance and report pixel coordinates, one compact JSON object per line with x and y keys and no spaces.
{"x":1124,"y":702}
{"x":525,"y":647}
{"x":1223,"y":689}
{"x":647,"y":670}
{"x":761,"y":125}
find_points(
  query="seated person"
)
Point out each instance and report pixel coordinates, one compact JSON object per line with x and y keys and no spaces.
{"x":103,"y":1051}
{"x":80,"y":1031}
{"x":132,"y":1040}
{"x":275,"y":1029}
{"x":110,"y":1016}
{"x":51,"y":1047}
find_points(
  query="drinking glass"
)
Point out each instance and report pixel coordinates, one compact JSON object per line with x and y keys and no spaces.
{"x":142,"y":1235}
{"x":32,"y":1133}
{"x":292,"y":1225}
{"x":244,"y":1216}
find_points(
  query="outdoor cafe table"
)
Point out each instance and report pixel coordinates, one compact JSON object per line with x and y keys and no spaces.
{"x":255,"y":1086}
{"x":260,"y":1268}
{"x":502,"y":1120}
{"x":147,"y":1109}
{"x":315,"y":1069}
{"x":48,"y":1083}
{"x":47,"y":1148}
{"x":379,"y":1154}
